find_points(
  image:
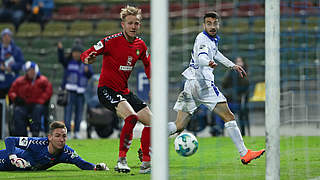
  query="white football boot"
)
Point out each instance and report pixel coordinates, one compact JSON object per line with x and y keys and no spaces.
{"x":122,"y":165}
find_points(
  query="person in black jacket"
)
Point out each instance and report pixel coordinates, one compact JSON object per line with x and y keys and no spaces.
{"x":236,"y":90}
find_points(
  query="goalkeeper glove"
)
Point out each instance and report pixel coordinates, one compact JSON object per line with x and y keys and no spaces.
{"x":19,"y":162}
{"x":101,"y":167}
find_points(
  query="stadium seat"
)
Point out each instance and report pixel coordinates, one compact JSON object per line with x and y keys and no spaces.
{"x":185,"y":25}
{"x":259,"y":93}
{"x":225,"y":9}
{"x":259,"y":25}
{"x":81,"y":28}
{"x":145,"y":8}
{"x":313,"y":24}
{"x":175,"y":10}
{"x":250,"y":9}
{"x":7,"y":25}
{"x":305,"y":8}
{"x":65,"y":1}
{"x":285,"y":10}
{"x":91,"y":1}
{"x":114,"y":11}
{"x":107,"y":27}
{"x":93,"y":12}
{"x":43,"y":46}
{"x":241,"y":24}
{"x":55,"y":29}
{"x":291,"y":24}
{"x":29,"y":30}
{"x":196,"y":10}
{"x":67,"y":13}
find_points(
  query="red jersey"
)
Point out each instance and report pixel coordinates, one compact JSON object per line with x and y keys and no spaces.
{"x":119,"y":58}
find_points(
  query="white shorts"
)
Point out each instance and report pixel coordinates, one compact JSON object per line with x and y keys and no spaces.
{"x":198,"y":92}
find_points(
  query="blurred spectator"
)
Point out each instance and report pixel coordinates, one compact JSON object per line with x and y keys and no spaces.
{"x":101,"y":119}
{"x":11,"y":61}
{"x":41,"y":11}
{"x":30,"y":94}
{"x":75,"y":80}
{"x":236,"y":90}
{"x":15,"y":11}
{"x":91,"y":93}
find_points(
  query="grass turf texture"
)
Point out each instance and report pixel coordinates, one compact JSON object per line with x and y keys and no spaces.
{"x":217,"y":158}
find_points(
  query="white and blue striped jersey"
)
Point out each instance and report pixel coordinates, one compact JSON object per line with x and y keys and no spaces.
{"x":205,"y":49}
{"x":35,"y":151}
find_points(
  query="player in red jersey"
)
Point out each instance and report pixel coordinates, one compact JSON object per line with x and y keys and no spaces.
{"x":120,"y":53}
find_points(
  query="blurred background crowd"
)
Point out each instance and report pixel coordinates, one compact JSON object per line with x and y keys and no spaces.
{"x":41,"y":41}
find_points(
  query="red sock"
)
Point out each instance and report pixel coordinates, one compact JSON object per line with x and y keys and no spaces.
{"x":145,"y":143}
{"x":126,"y":134}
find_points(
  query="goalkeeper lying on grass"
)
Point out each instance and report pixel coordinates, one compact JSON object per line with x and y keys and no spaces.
{"x":23,"y":153}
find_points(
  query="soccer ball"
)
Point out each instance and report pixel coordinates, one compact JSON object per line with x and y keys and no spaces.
{"x":186,"y":144}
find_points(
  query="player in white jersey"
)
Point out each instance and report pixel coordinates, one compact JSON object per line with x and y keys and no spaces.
{"x":199,"y":87}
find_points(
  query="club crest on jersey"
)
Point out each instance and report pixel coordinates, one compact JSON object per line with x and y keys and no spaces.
{"x":138,"y":52}
{"x":23,"y":141}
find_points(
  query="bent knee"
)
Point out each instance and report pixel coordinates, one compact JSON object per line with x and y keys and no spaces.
{"x":228,"y":117}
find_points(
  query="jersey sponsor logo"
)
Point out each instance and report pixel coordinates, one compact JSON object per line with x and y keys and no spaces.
{"x":23,"y":141}
{"x":138,"y":52}
{"x":98,"y":46}
{"x":126,"y":68}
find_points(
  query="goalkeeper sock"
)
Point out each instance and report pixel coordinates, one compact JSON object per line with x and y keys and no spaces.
{"x":126,"y":134}
{"x":145,"y":143}
{"x":236,"y":137}
{"x":172,"y":128}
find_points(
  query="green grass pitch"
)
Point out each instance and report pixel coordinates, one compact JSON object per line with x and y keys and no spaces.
{"x":217,"y":158}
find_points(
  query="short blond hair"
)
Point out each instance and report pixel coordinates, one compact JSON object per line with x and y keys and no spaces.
{"x":130,"y":10}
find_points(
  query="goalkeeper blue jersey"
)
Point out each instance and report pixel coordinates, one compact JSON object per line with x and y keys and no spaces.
{"x":35,"y":150}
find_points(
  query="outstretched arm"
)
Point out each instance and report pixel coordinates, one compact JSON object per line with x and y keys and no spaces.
{"x":74,"y":158}
{"x":221,"y":58}
{"x":90,"y":55}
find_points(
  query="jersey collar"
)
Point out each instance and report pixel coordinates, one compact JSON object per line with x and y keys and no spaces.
{"x":215,"y":39}
{"x":127,"y":39}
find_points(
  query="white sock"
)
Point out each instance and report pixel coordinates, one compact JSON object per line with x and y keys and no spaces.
{"x":172,"y":128}
{"x":236,"y":137}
